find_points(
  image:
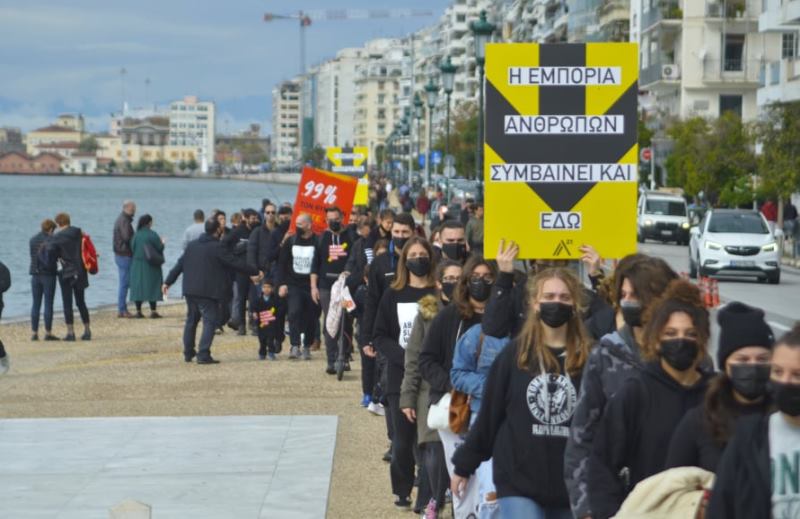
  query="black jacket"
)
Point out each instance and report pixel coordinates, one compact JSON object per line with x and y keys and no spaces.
{"x":41,"y":240}
{"x":237,"y":239}
{"x":296,"y":261}
{"x":634,"y":433}
{"x":436,"y":356}
{"x":259,"y":249}
{"x":742,"y":489}
{"x":390,"y":335}
{"x":275,"y":239}
{"x":524,"y":429}
{"x":123,"y":234}
{"x":67,"y":243}
{"x":206,"y":265}
{"x":381,"y":274}
{"x":692,"y":444}
{"x":332,"y":254}
{"x":278,"y":307}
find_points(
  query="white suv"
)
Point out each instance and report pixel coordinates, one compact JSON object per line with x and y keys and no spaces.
{"x":734,"y":242}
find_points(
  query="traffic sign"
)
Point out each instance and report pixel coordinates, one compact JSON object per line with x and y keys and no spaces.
{"x":449,"y":171}
{"x":421,"y":160}
{"x":646,"y":154}
{"x":436,"y":157}
{"x":560,"y":150}
{"x":352,"y":162}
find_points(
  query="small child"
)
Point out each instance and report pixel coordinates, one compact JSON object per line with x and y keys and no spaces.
{"x":269,"y":312}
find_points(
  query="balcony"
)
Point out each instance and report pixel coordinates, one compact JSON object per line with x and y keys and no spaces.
{"x":779,"y":15}
{"x":730,"y":10}
{"x":660,"y":75}
{"x":732,"y":71}
{"x":668,"y":13}
{"x":779,"y":81}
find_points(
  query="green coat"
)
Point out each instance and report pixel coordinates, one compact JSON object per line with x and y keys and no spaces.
{"x":145,"y":280}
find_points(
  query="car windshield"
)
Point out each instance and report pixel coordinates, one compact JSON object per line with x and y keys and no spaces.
{"x":742,"y":223}
{"x":666,"y":207}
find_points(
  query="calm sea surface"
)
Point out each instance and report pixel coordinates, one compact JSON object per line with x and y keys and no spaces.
{"x":94,"y":204}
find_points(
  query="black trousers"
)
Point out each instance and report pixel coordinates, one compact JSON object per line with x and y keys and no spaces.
{"x":70,"y":290}
{"x":197,"y":309}
{"x":332,"y":341}
{"x":367,"y":375}
{"x":436,"y":469}
{"x":303,"y":316}
{"x":241,"y":295}
{"x":269,"y":340}
{"x":401,"y":468}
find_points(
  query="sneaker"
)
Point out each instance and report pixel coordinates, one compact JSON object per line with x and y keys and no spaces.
{"x":262,"y":357}
{"x":366,"y":400}
{"x":387,"y":456}
{"x":430,"y":510}
{"x":294,"y":352}
{"x":87,"y":336}
{"x":139,"y":315}
{"x":376,"y":409}
{"x":35,"y":337}
{"x":51,"y":337}
{"x":330,"y":370}
{"x":70,"y":337}
{"x":306,"y":354}
{"x":272,"y":356}
{"x":403,"y":502}
{"x":347,"y":366}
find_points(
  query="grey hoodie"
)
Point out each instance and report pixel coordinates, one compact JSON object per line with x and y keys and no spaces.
{"x":614,"y":360}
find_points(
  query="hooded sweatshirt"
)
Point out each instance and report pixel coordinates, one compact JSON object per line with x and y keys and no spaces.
{"x":522,"y":425}
{"x":634,"y":433}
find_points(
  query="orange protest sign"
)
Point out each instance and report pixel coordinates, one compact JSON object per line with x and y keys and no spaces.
{"x":318,"y":190}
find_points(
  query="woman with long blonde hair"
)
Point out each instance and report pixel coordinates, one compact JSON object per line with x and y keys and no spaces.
{"x":528,"y":401}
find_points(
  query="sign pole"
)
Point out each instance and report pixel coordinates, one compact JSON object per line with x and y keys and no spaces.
{"x":652,"y":166}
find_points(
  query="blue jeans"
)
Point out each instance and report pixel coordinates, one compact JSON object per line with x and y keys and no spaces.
{"x":124,"y":268}
{"x":514,"y":507}
{"x":42,"y":286}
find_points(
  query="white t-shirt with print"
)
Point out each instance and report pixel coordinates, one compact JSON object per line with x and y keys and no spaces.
{"x":784,"y":454}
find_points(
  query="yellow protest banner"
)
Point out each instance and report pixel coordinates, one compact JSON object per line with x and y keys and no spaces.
{"x":352,"y":162}
{"x":560,"y":152}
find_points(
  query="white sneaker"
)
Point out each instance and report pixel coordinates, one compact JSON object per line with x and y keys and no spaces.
{"x":294,"y":352}
{"x":376,"y":409}
{"x":4,"y":365}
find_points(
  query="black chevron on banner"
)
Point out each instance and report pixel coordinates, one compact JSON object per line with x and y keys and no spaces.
{"x":560,"y":149}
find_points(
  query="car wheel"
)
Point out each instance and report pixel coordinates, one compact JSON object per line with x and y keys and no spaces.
{"x":774,"y":278}
{"x":692,"y":268}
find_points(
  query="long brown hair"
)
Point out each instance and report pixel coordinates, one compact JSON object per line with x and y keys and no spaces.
{"x":461,"y":293}
{"x":402,"y":278}
{"x":718,"y":405}
{"x":531,"y":346}
{"x":680,"y":296}
{"x":649,"y":277}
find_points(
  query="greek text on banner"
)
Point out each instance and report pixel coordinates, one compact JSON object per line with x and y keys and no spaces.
{"x":563,"y":173}
{"x":564,"y":124}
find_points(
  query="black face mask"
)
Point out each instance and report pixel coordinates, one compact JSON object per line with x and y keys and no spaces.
{"x":455,"y":251}
{"x":786,"y":397}
{"x":420,"y":267}
{"x":679,"y":353}
{"x":750,"y":380}
{"x":448,"y":289}
{"x":480,"y":290}
{"x":335,"y":225}
{"x":631,"y":313}
{"x":555,"y":314}
{"x":284,"y":225}
{"x":399,"y":243}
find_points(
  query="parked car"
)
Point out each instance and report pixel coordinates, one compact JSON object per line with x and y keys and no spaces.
{"x":663,"y":217}
{"x":735,"y":242}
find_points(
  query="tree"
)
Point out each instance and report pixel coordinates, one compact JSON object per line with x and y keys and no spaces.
{"x":713,"y":157}
{"x":192,"y":165}
{"x":463,"y":138}
{"x":315,"y":156}
{"x":88,"y":145}
{"x":779,"y":163}
{"x":112,"y":165}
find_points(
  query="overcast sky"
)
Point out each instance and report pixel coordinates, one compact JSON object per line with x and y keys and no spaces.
{"x":65,"y":56}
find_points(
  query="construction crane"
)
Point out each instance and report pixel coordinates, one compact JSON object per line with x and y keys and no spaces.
{"x":306,"y":17}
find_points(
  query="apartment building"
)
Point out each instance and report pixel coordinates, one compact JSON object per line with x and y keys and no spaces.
{"x":780,"y":79}
{"x":701,"y":57}
{"x":192,"y":128}
{"x":286,"y":123}
{"x":336,"y":98}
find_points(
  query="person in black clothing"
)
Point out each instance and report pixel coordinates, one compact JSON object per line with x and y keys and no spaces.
{"x":641,"y":417}
{"x":745,"y":348}
{"x":295,"y":264}
{"x":205,"y":265}
{"x":238,"y":239}
{"x":758,"y":475}
{"x":43,"y":269}
{"x":453,"y":239}
{"x":72,"y":278}
{"x":277,"y":237}
{"x":395,"y":317}
{"x":333,"y":248}
{"x":268,"y":312}
{"x":528,"y":402}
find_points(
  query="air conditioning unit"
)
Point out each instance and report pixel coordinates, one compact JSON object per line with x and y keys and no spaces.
{"x":670,"y":72}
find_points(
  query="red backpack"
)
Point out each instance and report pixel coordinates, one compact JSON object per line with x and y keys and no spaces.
{"x":89,"y":254}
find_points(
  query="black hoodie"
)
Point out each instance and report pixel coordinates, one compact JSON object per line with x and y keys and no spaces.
{"x":68,"y":243}
{"x":523,"y":435}
{"x":634,"y":433}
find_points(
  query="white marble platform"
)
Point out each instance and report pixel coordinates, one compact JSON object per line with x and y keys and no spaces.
{"x":184,"y":467}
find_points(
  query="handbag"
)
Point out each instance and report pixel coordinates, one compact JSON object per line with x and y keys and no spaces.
{"x":152,"y":256}
{"x":439,"y":414}
{"x":459,"y":402}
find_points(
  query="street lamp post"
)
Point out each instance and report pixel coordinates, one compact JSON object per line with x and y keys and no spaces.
{"x":482,"y":31}
{"x":448,"y":71}
{"x":405,"y":131}
{"x":419,"y":113}
{"x":431,"y":92}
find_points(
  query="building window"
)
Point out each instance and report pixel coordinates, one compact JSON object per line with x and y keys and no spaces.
{"x":381,"y":98}
{"x":380,"y":85}
{"x":789,"y":45}
{"x":734,"y":51}
{"x":728,"y":103}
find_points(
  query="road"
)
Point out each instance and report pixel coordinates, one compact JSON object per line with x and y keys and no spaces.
{"x":780,"y":302}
